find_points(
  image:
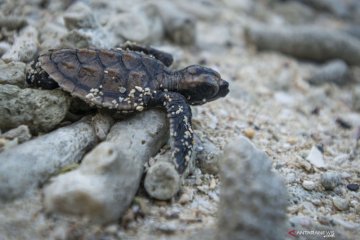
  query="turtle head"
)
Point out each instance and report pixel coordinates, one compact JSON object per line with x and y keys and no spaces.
{"x":200,"y":85}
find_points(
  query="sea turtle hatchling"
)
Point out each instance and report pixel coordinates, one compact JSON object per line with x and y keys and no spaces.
{"x":133,"y":78}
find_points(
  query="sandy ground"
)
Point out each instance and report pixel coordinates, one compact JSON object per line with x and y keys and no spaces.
{"x":271,"y":103}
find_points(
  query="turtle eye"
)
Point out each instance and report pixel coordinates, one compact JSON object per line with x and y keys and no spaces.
{"x":210,"y":86}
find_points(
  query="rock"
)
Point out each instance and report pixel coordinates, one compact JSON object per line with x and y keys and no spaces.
{"x":306,"y":42}
{"x":12,"y":73}
{"x":291,"y":178}
{"x":187,"y":196}
{"x":33,"y":162}
{"x":218,"y":38}
{"x":162,"y":181}
{"x":94,"y":189}
{"x":6,"y":144}
{"x":345,"y":224}
{"x":179,"y":26}
{"x":40,"y":110}
{"x":12,"y":22}
{"x":25,"y":46}
{"x":79,"y":15}
{"x":21,"y":133}
{"x":315,"y":157}
{"x":316,"y":98}
{"x":142,"y":24}
{"x":308,"y":185}
{"x":4,"y":47}
{"x":330,"y":180}
{"x":104,"y":185}
{"x":356,"y":98}
{"x":204,"y":10}
{"x":112,"y":229}
{"x":156,"y":126}
{"x":286,"y":77}
{"x":102,"y":123}
{"x":84,"y":31}
{"x":87,"y":38}
{"x":253,"y":199}
{"x":301,"y":221}
{"x":353,"y":30}
{"x":338,"y":8}
{"x":59,"y":5}
{"x":241,"y":6}
{"x":23,"y":214}
{"x":51,"y":35}
{"x":208,"y":157}
{"x":167,"y":227}
{"x":348,"y":120}
{"x":335,"y":71}
{"x":249,"y":133}
{"x":340,"y":203}
{"x":294,"y":12}
{"x":284,"y":98}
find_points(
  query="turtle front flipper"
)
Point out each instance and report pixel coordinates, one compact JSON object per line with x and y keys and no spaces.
{"x":181,"y":133}
{"x":164,"y":57}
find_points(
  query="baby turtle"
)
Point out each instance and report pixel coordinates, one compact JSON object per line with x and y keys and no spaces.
{"x":133,"y":78}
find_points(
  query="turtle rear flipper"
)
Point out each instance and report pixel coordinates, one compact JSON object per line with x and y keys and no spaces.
{"x":37,"y":77}
{"x":164,"y":57}
{"x":181,"y":133}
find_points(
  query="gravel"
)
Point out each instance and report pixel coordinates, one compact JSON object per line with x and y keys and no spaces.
{"x":271,"y":102}
{"x":35,"y":161}
{"x":12,"y":73}
{"x":252,"y":196}
{"x":40,"y":110}
{"x":104,"y":185}
{"x":330,"y":180}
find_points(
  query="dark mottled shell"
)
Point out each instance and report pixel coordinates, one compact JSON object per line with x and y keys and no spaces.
{"x":103,"y":77}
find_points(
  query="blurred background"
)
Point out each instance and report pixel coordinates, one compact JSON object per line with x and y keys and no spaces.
{"x":294,"y":72}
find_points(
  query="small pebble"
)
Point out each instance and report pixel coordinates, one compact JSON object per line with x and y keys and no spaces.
{"x":128,"y":217}
{"x":12,"y":22}
{"x":357,"y":209}
{"x":168,"y":228}
{"x":315,"y":157}
{"x":353,"y":187}
{"x":292,"y":140}
{"x":341,"y":203}
{"x":6,"y":143}
{"x":113,"y":228}
{"x":162,"y":181}
{"x":172,"y":213}
{"x":12,"y":73}
{"x":309,"y":185}
{"x":291,"y":177}
{"x":306,"y":166}
{"x":343,"y":123}
{"x":203,"y":189}
{"x":22,"y":133}
{"x":79,"y":15}
{"x":25,"y":46}
{"x":249,"y":133}
{"x":212,"y":184}
{"x":335,"y":71}
{"x":316,"y":202}
{"x":187,"y":196}
{"x":208,"y":156}
{"x":330,"y":180}
{"x":301,"y":221}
